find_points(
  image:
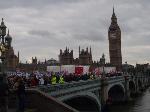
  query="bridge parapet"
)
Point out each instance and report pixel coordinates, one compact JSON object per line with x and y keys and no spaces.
{"x":60,"y":90}
{"x":70,"y":88}
{"x":114,"y":79}
{"x":97,"y":86}
{"x":40,"y":102}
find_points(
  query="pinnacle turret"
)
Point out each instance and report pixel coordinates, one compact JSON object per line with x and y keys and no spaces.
{"x":8,"y":35}
{"x":8,"y":39}
{"x":3,"y":28}
{"x":114,"y":18}
{"x":114,"y":25}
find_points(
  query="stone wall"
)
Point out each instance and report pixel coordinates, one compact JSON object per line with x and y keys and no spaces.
{"x":41,"y":102}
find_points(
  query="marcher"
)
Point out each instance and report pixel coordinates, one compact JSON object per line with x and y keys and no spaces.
{"x":61,"y":80}
{"x":92,"y":76}
{"x":41,"y":81}
{"x":21,"y":96}
{"x":54,"y":79}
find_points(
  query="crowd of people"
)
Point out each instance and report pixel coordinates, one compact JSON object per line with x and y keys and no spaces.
{"x":18,"y":81}
{"x":35,"y":79}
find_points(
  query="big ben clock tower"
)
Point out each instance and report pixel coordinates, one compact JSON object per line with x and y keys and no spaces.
{"x":114,"y":36}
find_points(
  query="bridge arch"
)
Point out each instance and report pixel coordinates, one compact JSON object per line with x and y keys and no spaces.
{"x":84,"y":102}
{"x":116,"y":93}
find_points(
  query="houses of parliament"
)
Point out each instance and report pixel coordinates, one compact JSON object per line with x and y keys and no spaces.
{"x":66,"y":56}
{"x":85,"y":56}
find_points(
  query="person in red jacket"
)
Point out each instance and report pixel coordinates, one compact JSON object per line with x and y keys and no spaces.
{"x":33,"y":82}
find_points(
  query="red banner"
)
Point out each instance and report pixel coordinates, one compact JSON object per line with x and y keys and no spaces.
{"x":78,"y":70}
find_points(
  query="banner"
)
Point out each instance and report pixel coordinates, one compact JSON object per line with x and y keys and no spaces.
{"x":100,"y":70}
{"x":78,"y":70}
{"x":86,"y":69}
{"x":67,"y":69}
{"x":109,"y":69}
{"x":53,"y":69}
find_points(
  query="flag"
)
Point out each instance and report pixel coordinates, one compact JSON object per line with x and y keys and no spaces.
{"x":97,"y":71}
{"x":78,"y":70}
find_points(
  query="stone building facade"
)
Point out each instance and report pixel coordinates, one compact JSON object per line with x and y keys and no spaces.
{"x":114,"y":36}
{"x":85,"y":57}
{"x":66,"y":57}
{"x":34,"y":60}
{"x":12,"y":60}
{"x":33,"y":66}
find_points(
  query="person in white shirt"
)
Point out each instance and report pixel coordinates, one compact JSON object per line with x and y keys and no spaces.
{"x":41,"y":81}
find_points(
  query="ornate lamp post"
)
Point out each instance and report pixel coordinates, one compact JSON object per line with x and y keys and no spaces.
{"x":5,"y":43}
{"x":103,"y":78}
{"x":126,"y":68}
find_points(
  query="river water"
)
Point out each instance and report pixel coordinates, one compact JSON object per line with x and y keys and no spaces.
{"x":138,"y":104}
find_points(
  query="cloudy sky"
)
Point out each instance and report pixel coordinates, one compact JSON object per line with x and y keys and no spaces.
{"x":42,"y":27}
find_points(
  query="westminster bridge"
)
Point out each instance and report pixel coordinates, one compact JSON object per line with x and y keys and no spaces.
{"x":86,"y":95}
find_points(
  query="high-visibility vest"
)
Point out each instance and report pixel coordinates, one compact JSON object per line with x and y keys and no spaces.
{"x":91,"y":77}
{"x":53,"y":80}
{"x":61,"y":80}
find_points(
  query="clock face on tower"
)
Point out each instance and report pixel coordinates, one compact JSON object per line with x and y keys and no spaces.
{"x":113,"y":35}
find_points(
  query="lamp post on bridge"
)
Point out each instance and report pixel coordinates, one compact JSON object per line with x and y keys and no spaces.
{"x":126,"y":67}
{"x":103,"y":65}
{"x":103,"y":78}
{"x":103,"y":72}
{"x":5,"y":43}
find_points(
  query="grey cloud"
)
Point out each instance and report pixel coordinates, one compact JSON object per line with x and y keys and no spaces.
{"x":42,"y":27}
{"x":33,"y":3}
{"x":41,"y":33}
{"x":90,"y":36}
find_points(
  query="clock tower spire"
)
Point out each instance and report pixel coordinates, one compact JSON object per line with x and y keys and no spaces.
{"x":114,"y":37}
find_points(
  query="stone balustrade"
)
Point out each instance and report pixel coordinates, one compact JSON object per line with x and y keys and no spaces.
{"x":41,"y":102}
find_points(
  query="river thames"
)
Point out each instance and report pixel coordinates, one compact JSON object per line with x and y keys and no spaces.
{"x":138,"y":104}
